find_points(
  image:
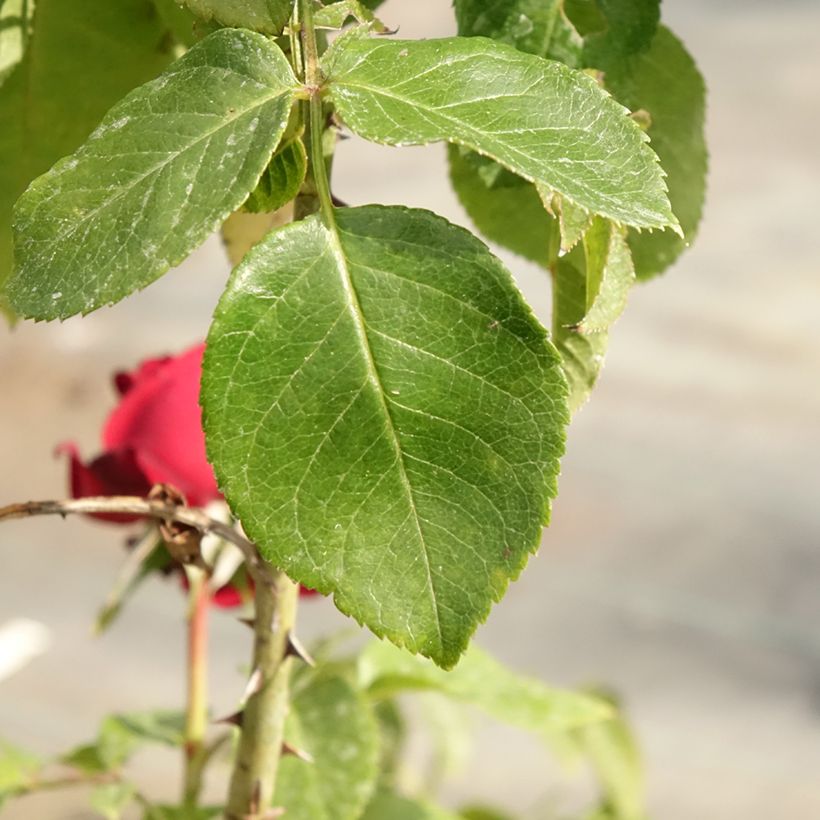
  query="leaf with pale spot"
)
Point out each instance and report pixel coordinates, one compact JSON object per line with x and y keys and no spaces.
{"x":542,"y":120}
{"x":167,"y":165}
{"x":82,"y":58}
{"x":385,"y":416}
{"x":335,"y":725}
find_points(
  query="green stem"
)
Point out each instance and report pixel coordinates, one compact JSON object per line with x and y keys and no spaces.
{"x":196,"y":718}
{"x":315,"y":116}
{"x":263,"y":718}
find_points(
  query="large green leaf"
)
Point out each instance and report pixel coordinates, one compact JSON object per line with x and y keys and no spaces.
{"x":385,"y":416}
{"x":267,"y":16}
{"x":537,"y":117}
{"x":483,"y":682}
{"x":335,"y":725}
{"x":82,"y":58}
{"x":388,"y":805}
{"x":666,"y":82}
{"x":582,"y":355}
{"x":535,"y":26}
{"x":504,"y":207}
{"x":164,"y":169}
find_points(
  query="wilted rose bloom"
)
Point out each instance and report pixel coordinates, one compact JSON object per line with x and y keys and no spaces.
{"x":153,"y":436}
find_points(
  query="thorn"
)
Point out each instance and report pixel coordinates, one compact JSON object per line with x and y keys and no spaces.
{"x":232,"y":720}
{"x":287,"y":749}
{"x":249,"y":622}
{"x":296,"y":649}
{"x":254,"y":684}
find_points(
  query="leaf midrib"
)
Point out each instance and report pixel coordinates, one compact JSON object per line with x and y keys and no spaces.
{"x":360,"y":325}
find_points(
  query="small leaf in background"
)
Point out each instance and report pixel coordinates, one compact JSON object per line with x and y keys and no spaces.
{"x":539,"y":118}
{"x":121,"y":735}
{"x":112,"y":799}
{"x":281,"y":180}
{"x":242,"y":230}
{"x":506,"y":209}
{"x":482,"y":682}
{"x":149,"y":556}
{"x":335,"y":15}
{"x":186,"y":28}
{"x":626,"y":28}
{"x":666,"y":82}
{"x":83,"y":58}
{"x":582,"y":356}
{"x":18,"y":770}
{"x":610,"y":275}
{"x":266,"y":16}
{"x":536,"y":26}
{"x":388,"y":805}
{"x":483,"y":813}
{"x":167,"y":165}
{"x":613,"y":753}
{"x":573,"y":221}
{"x":386,"y":417}
{"x":168,"y":812}
{"x":335,"y":725}
{"x":392,"y":739}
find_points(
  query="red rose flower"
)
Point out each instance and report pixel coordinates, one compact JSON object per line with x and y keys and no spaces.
{"x":153,"y":436}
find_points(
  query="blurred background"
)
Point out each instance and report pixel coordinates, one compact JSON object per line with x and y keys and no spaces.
{"x":682,"y":567}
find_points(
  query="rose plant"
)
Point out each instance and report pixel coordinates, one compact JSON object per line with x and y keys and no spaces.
{"x":381,"y":410}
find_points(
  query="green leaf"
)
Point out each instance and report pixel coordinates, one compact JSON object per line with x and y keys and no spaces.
{"x":121,"y":735}
{"x":166,"y":166}
{"x":482,"y":682}
{"x":482,"y":813}
{"x":335,"y":725}
{"x":168,"y":812}
{"x":535,"y":26}
{"x":242,"y":230}
{"x":666,"y":82}
{"x":111,"y":799}
{"x":628,"y":28}
{"x":388,"y":805}
{"x":266,"y":16}
{"x":281,"y":180}
{"x":540,"y":119}
{"x":185,"y":27}
{"x":335,"y":15}
{"x":616,"y":760}
{"x":385,"y":416}
{"x":582,"y":356}
{"x":15,"y":27}
{"x":18,"y":770}
{"x":392,"y":738}
{"x":506,"y":208}
{"x":149,"y":556}
{"x":610,"y":275}
{"x":82,"y":59}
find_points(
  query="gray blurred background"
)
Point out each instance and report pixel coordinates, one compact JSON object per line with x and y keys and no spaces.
{"x":682,"y":567}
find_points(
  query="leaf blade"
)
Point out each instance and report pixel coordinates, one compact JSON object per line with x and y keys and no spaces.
{"x":58,"y":93}
{"x":332,"y":463}
{"x":537,"y":117}
{"x":335,"y":725}
{"x":165,"y":167}
{"x":481,"y":681}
